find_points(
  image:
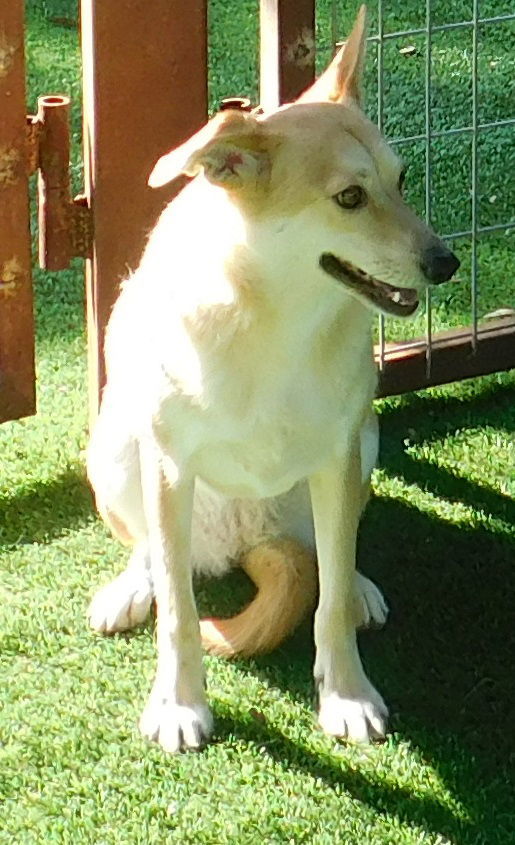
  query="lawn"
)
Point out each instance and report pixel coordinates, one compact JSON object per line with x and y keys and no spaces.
{"x":438,"y":536}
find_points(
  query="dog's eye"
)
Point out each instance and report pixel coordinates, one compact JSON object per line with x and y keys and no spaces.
{"x":353,"y":197}
{"x":402,"y":179}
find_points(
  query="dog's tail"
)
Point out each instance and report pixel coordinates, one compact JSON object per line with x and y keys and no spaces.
{"x":285,"y":575}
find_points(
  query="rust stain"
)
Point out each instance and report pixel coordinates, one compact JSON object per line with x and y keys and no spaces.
{"x":7,"y":52}
{"x":301,"y":51}
{"x":11,"y":277}
{"x":9,"y":160}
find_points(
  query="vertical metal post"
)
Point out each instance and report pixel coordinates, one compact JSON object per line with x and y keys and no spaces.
{"x":380,"y":122}
{"x":428,"y":183}
{"x":145,"y":91}
{"x":17,"y":376}
{"x":287,"y":49}
{"x":474,"y":177}
{"x":54,"y":209}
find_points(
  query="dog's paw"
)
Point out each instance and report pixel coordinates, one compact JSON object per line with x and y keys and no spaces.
{"x":122,"y":604}
{"x":176,"y":727}
{"x":370,"y":606}
{"x":359,"y":717}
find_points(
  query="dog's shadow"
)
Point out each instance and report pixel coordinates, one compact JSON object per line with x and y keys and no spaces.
{"x":444,"y":661}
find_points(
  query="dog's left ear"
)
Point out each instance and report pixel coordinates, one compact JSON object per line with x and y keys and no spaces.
{"x":342,"y":79}
{"x":231,"y":149}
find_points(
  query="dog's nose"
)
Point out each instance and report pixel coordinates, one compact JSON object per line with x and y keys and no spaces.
{"x":439,"y":264}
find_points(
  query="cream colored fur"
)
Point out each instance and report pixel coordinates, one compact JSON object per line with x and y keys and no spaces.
{"x":236,"y":421}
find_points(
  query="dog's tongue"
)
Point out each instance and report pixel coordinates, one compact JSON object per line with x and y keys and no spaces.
{"x":400,"y":302}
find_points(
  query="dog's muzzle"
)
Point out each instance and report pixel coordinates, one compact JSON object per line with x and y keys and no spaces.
{"x":399,"y":302}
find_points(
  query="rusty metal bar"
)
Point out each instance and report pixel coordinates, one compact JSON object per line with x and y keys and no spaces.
{"x":17,"y":375}
{"x":145,"y":91}
{"x":54,"y":217}
{"x":287,"y":49}
{"x":452,"y":358}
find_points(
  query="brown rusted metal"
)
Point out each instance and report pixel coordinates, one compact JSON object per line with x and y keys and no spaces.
{"x":17,"y":376}
{"x":287,"y":52}
{"x":65,"y":225}
{"x":81,"y":227}
{"x":452,"y":358}
{"x":54,"y":217}
{"x":145,"y":91}
{"x":32,"y":133}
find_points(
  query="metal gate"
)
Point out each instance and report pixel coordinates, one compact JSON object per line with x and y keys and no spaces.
{"x":142,"y":96}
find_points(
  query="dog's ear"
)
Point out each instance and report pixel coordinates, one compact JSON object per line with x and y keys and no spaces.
{"x":231,"y":150}
{"x":342,"y":79}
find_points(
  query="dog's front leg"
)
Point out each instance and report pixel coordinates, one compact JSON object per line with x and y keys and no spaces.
{"x":176,"y":714}
{"x":349,"y":705}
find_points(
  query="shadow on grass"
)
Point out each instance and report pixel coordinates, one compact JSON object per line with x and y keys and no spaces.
{"x":47,"y":510}
{"x":444,"y":664}
{"x":445,"y":660}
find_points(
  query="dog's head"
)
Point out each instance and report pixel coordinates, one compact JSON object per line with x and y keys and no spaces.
{"x":318,"y":178}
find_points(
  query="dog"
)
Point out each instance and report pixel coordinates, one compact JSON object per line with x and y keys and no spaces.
{"x":236,"y":424}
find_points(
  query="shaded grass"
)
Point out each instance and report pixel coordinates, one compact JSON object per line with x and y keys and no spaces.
{"x":438,"y":536}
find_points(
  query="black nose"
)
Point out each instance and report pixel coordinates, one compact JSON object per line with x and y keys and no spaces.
{"x":439,"y":264}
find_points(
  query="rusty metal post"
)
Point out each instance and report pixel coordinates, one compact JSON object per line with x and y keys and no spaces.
{"x":145,"y":91}
{"x":54,"y":217}
{"x":17,"y":376}
{"x":287,"y":52}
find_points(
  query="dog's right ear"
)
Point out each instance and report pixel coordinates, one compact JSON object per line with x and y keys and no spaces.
{"x":342,"y":79}
{"x":231,"y":149}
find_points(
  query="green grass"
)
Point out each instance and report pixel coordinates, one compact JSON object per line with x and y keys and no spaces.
{"x":438,"y":536}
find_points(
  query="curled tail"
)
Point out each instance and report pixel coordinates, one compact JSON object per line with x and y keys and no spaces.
{"x":285,"y":575}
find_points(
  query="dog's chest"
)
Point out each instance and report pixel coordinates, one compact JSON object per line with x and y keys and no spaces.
{"x":266,"y":434}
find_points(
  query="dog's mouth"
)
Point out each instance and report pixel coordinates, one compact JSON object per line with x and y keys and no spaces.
{"x":400,"y":302}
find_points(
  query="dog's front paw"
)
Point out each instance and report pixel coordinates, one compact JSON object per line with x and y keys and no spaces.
{"x":121,"y":604}
{"x":370,"y":607}
{"x":358,"y":717}
{"x":175,"y":727}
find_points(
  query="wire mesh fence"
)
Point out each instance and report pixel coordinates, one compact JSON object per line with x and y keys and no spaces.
{"x":464,"y":152}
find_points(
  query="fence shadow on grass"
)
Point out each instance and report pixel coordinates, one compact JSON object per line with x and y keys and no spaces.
{"x":444,"y":662}
{"x":46,"y":510}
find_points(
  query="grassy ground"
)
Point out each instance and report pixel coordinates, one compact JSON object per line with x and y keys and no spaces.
{"x":439,"y":536}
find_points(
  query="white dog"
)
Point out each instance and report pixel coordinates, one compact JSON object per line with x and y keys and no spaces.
{"x":236,"y":421}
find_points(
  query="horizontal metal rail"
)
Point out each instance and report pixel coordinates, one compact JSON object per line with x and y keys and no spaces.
{"x":460,"y":130}
{"x":453,"y":357}
{"x":444,"y":27}
{"x":481,"y":230}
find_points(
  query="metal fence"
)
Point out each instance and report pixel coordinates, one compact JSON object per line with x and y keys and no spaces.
{"x":164,"y":99}
{"x":427,"y":137}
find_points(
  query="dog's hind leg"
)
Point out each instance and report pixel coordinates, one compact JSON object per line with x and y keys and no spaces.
{"x":124,"y":602}
{"x":114,"y":472}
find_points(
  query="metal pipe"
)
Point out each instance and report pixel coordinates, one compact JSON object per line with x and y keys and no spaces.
{"x":54,"y":213}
